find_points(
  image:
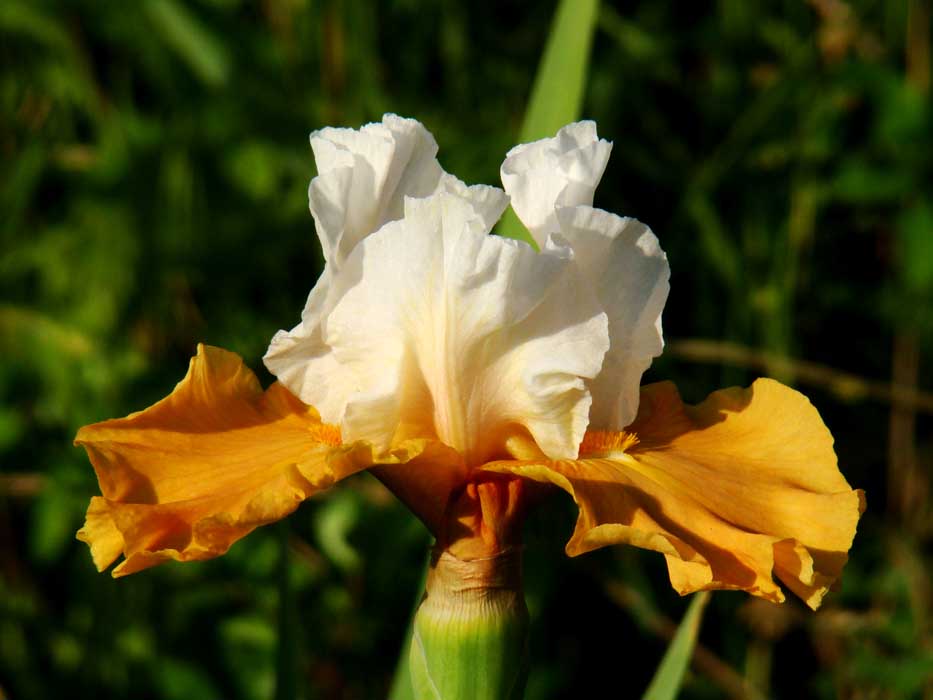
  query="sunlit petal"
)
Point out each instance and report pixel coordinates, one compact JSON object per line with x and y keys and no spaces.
{"x":562,"y":171}
{"x":364,"y":176}
{"x":624,"y":261}
{"x":201,"y":468}
{"x":732,"y":491}
{"x":487,"y":202}
{"x":443,"y":331}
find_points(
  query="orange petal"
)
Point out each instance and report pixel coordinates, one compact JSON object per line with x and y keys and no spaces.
{"x":740,"y":487}
{"x":187,"y":477}
{"x":423,"y":474}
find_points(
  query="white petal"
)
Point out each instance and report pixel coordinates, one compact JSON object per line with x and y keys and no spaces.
{"x":290,"y":351}
{"x":364,"y":176}
{"x":624,"y":260}
{"x":550,"y":173}
{"x":449,"y":332}
{"x":488,"y":202}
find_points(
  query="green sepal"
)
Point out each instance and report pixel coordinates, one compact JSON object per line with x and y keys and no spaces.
{"x":470,"y":642}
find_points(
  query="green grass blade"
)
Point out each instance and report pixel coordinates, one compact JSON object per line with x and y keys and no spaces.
{"x":670,"y":674}
{"x":402,"y":688}
{"x":511,"y":227}
{"x":197,"y":45}
{"x":557,"y":94}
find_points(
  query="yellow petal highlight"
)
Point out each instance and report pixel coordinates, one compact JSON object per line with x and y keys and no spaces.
{"x":735,"y":490}
{"x":187,"y":477}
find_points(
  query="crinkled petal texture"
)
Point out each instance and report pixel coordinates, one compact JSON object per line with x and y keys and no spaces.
{"x":732,"y":491}
{"x":622,"y":258}
{"x":444,"y":332}
{"x":562,"y":171}
{"x":551,"y":183}
{"x":363,"y":178}
{"x":203,"y":467}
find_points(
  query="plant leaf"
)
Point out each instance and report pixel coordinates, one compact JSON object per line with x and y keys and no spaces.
{"x":402,"y":687}
{"x":198,"y":46}
{"x":670,"y":674}
{"x":557,"y":95}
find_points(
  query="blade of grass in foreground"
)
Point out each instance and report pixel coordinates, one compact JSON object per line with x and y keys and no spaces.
{"x":402,"y":688}
{"x":557,"y":94}
{"x":670,"y":674}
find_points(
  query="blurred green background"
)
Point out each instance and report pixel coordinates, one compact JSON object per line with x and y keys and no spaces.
{"x":154,"y":194}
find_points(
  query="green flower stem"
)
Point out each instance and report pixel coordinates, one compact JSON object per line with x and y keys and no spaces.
{"x":470,"y":638}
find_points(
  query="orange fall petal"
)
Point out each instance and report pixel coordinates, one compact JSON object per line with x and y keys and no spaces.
{"x":735,"y":490}
{"x":190,"y":475}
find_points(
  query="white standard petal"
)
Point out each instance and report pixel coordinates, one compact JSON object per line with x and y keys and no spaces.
{"x":451,"y":333}
{"x":623,"y":260}
{"x":291,"y":352}
{"x":562,"y":171}
{"x":364,"y":176}
{"x":488,"y":202}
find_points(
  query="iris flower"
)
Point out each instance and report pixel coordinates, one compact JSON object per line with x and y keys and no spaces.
{"x":466,"y":370}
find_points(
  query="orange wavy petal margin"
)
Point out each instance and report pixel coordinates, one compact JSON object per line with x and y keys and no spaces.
{"x":734,"y":491}
{"x":190,"y":475}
